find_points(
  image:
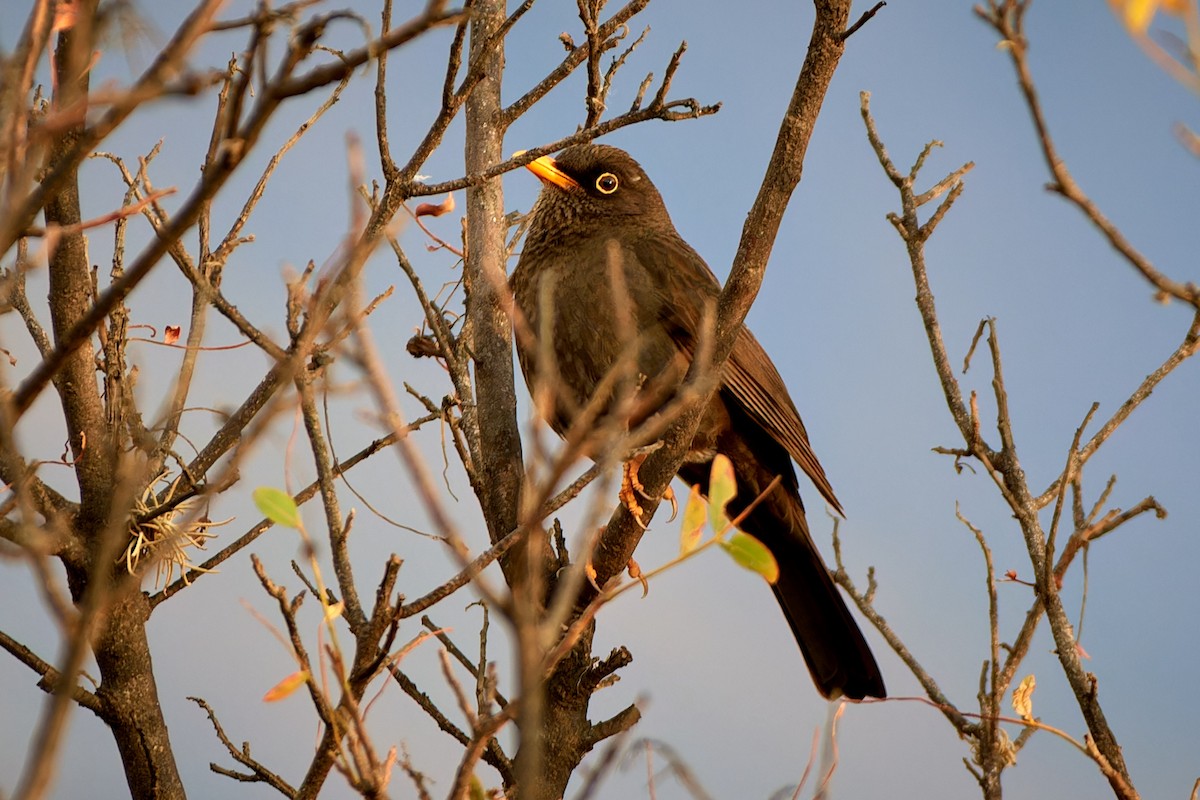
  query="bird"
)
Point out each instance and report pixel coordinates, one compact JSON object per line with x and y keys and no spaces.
{"x":603,"y":265}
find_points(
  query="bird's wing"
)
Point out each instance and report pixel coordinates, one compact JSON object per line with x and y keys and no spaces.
{"x":749,"y":375}
{"x":755,"y":382}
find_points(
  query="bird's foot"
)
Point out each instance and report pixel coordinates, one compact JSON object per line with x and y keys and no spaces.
{"x":632,"y":489}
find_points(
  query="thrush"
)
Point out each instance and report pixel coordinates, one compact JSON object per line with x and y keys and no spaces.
{"x":603,"y":268}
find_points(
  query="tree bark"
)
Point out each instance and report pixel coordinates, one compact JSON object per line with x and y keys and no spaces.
{"x":493,"y":420}
{"x":130,"y":696}
{"x":127,"y":688}
{"x":495,"y":412}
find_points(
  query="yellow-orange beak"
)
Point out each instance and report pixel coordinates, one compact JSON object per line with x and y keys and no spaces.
{"x":547,"y":170}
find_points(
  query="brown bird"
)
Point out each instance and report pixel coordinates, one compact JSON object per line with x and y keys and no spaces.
{"x":598,"y":218}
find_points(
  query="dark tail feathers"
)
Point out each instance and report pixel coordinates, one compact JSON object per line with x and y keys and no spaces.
{"x":837,"y":655}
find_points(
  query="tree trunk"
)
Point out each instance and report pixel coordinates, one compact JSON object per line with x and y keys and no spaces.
{"x":127,"y":688}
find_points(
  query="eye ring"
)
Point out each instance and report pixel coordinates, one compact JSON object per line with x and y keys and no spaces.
{"x":607,"y":183}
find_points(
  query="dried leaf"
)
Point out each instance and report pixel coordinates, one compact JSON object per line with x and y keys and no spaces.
{"x":421,"y":346}
{"x":1022,"y":701}
{"x":435,"y":209}
{"x":171,"y":334}
{"x":286,"y":686}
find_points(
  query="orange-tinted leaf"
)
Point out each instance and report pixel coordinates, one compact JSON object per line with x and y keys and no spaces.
{"x":722,"y":487}
{"x":171,"y":334}
{"x":753,"y":555}
{"x":694,"y":515}
{"x":286,"y":686}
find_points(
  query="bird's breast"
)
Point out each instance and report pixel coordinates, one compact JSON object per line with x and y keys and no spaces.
{"x":598,"y":308}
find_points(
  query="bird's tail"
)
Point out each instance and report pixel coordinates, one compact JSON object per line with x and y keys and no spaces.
{"x":837,"y":655}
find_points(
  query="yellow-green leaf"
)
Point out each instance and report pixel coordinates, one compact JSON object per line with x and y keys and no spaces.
{"x":1022,"y":701}
{"x":277,"y":506}
{"x":286,"y":686}
{"x":475,"y":790}
{"x":694,"y":514}
{"x":753,"y":555}
{"x":722,"y":487}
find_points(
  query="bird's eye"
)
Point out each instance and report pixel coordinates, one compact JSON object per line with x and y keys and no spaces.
{"x":606,"y":183}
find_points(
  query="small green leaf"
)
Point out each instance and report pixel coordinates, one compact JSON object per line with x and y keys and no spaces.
{"x":753,"y":555}
{"x":694,"y":515}
{"x":475,"y":790}
{"x":277,"y":506}
{"x":722,"y":487}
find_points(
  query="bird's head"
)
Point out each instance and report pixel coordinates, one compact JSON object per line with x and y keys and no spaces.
{"x":590,"y":187}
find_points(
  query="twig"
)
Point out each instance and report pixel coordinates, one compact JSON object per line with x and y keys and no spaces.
{"x":258,"y":772}
{"x":49,"y":675}
{"x":301,"y":497}
{"x":1007,"y":18}
{"x":863,"y":20}
{"x":863,"y":600}
{"x":1186,"y":349}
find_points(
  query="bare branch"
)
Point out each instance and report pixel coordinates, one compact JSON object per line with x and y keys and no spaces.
{"x":49,"y":675}
{"x":258,"y":773}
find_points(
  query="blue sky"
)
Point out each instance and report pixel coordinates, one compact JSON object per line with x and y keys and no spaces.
{"x":714,"y":663}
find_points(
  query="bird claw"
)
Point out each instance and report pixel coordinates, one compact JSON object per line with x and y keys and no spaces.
{"x":669,"y":496}
{"x":635,"y":572}
{"x":590,"y":571}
